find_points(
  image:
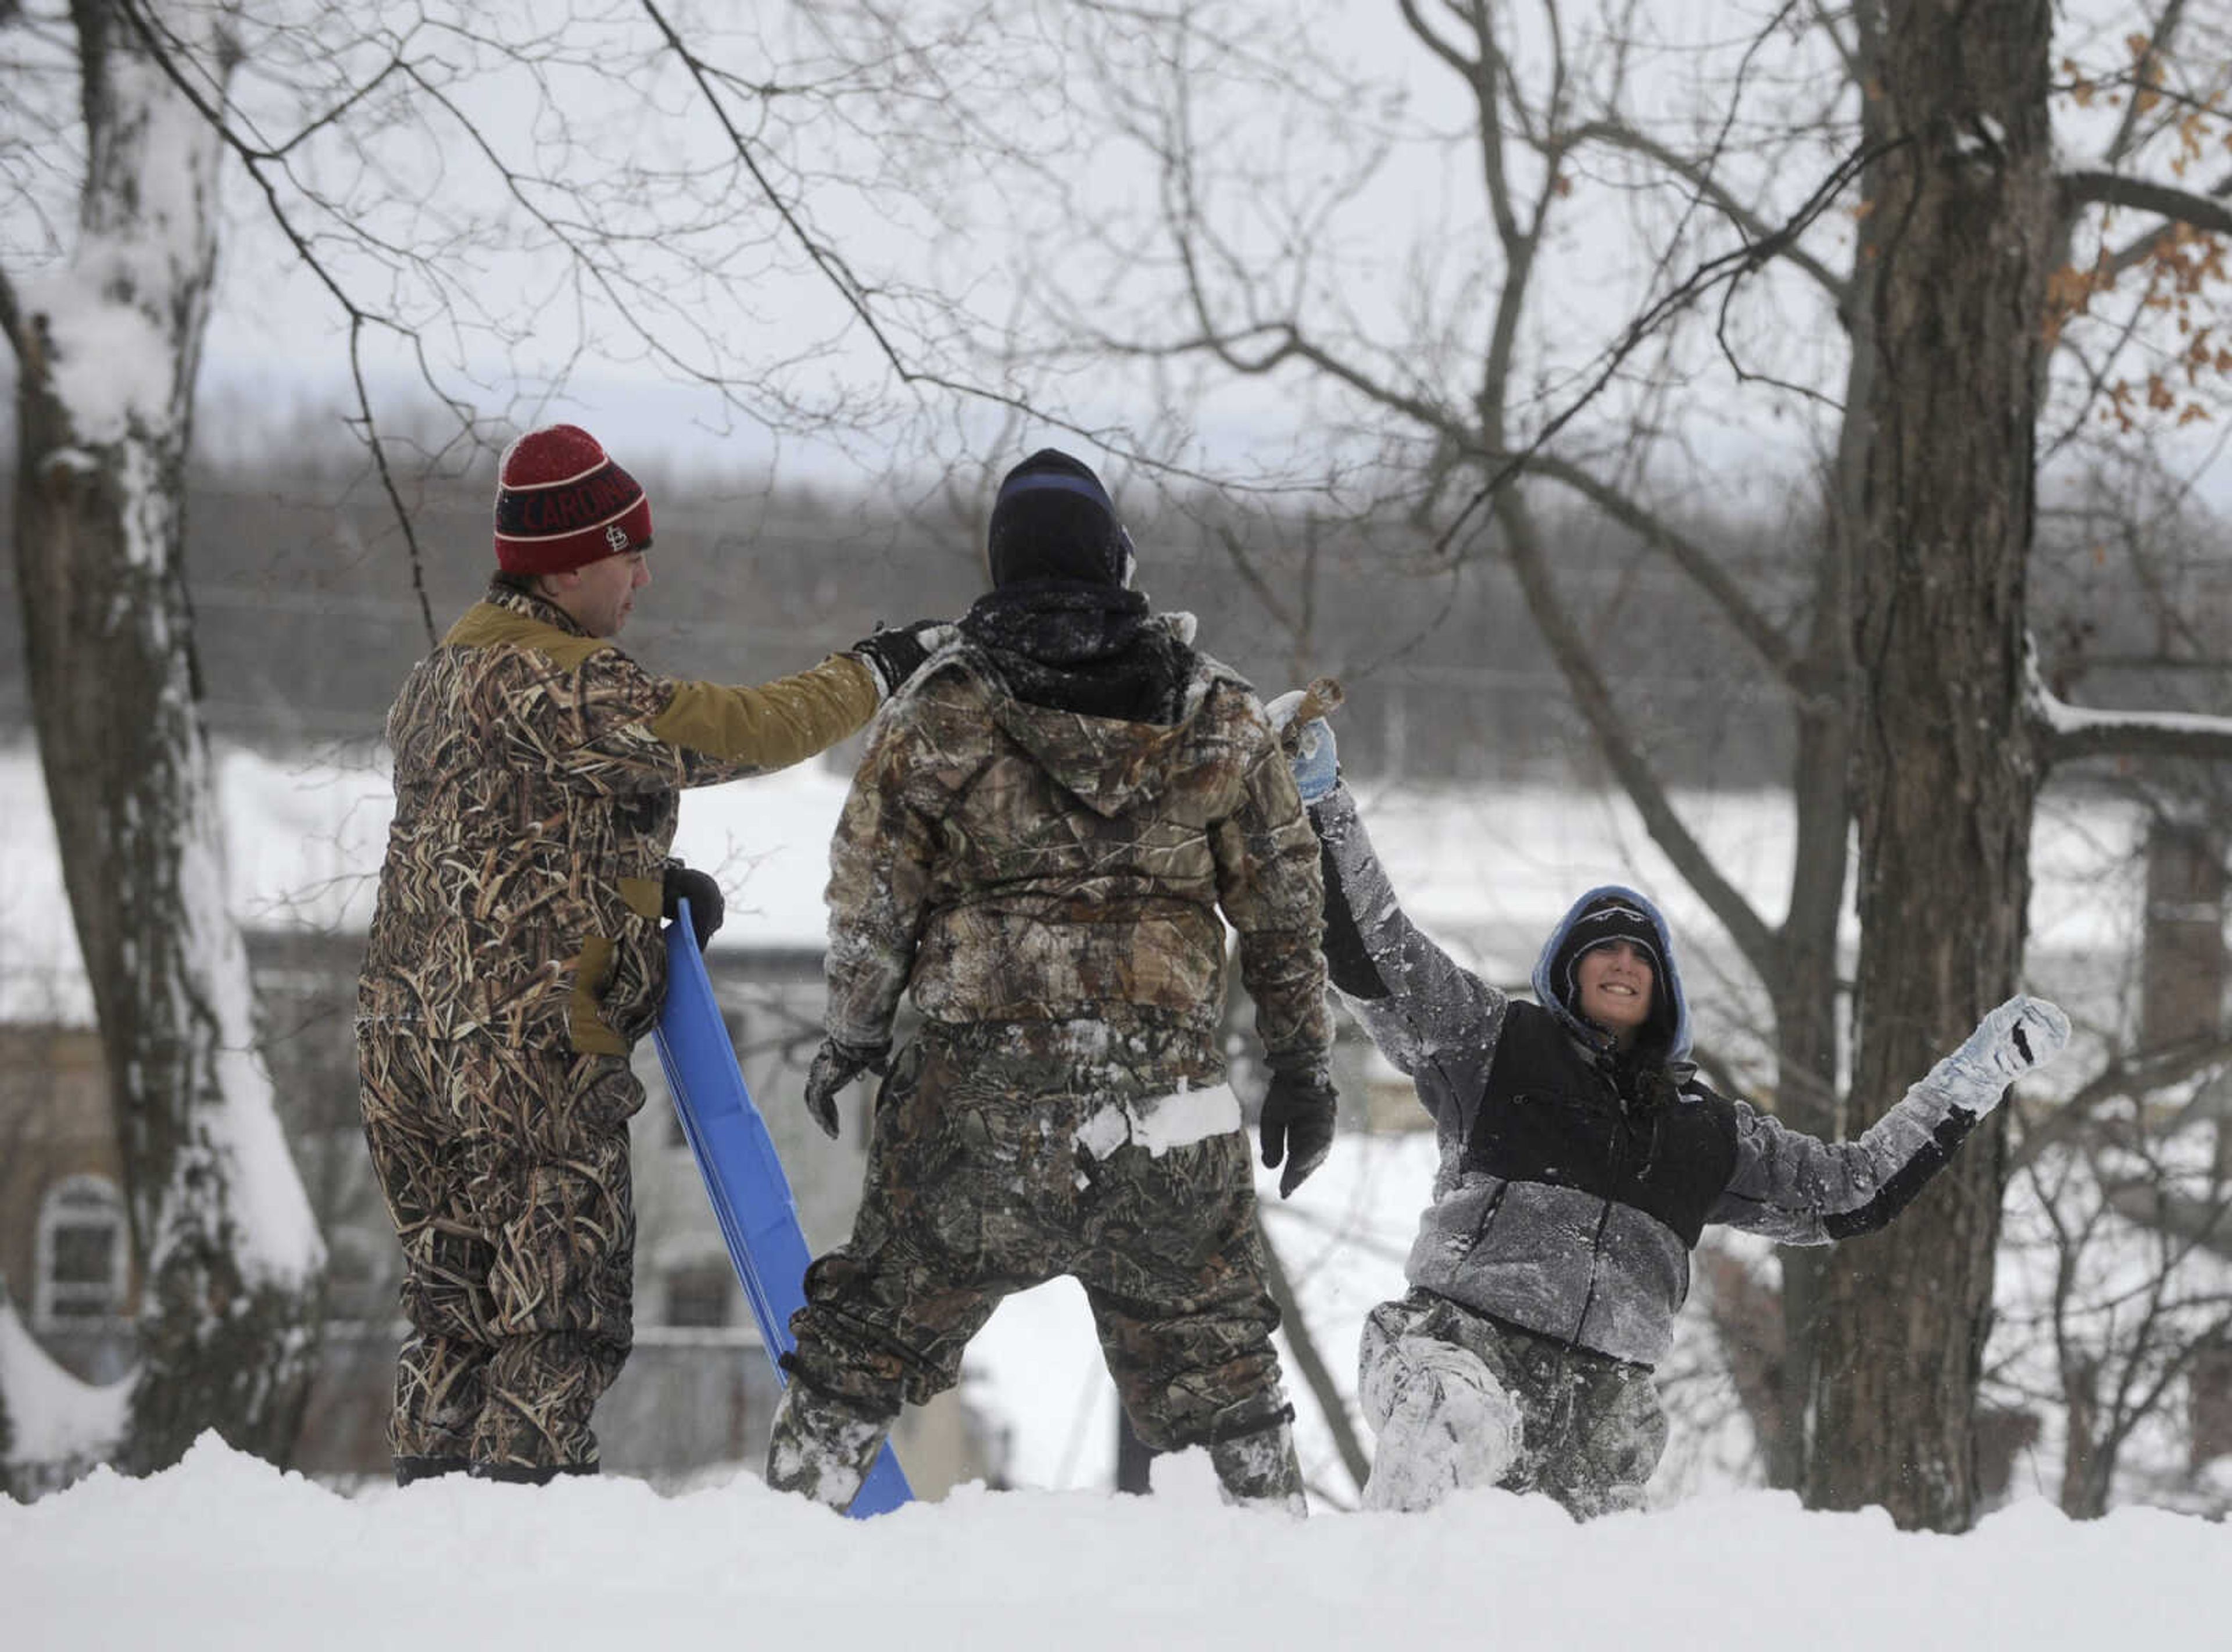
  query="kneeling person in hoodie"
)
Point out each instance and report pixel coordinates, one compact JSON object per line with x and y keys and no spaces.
{"x":1581,"y":1161}
{"x":1043,"y":832}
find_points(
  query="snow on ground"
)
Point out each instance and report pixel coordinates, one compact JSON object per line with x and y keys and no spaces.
{"x":225,"y":1552}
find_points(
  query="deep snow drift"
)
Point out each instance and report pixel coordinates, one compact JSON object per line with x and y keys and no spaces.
{"x":224,"y":1552}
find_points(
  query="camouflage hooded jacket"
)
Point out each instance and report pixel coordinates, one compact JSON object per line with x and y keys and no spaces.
{"x":536,"y":770}
{"x":1009,"y":861}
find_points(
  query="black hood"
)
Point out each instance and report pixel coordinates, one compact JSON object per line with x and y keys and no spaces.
{"x":1081,"y":647}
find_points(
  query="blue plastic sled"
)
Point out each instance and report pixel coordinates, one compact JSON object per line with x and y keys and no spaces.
{"x":743,"y":1177}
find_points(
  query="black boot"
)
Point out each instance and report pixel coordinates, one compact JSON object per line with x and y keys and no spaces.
{"x":521,"y":1474}
{"x":408,"y":1469}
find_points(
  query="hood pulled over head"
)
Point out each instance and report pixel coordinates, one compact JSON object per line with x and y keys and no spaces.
{"x":1607,"y":913}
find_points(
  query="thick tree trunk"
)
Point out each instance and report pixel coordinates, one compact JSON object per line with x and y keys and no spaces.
{"x":108,"y":349}
{"x":1805,"y":999}
{"x":1946,"y":777}
{"x":1808,"y":988}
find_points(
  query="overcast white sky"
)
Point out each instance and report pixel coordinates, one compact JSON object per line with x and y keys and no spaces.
{"x":274,"y":351}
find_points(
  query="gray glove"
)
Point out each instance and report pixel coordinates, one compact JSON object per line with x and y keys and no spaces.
{"x":1314,"y":760}
{"x":836,"y":1065}
{"x":2020,"y":1037}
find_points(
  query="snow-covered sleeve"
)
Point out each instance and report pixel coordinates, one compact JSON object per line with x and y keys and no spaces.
{"x":1428,"y":1015}
{"x":1798,"y":1189}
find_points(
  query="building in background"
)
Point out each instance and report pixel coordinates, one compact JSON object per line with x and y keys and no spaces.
{"x":697,"y":1396}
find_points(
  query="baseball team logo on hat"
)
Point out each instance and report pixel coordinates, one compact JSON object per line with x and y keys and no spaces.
{"x":561,"y":504}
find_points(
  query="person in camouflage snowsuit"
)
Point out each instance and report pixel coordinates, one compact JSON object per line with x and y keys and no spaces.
{"x":515,"y":957}
{"x":1581,"y":1160}
{"x":1044,"y":828}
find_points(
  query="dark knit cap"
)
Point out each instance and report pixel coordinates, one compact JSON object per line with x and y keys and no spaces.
{"x":561,"y":504}
{"x":1600,"y":924}
{"x":1053,"y":520}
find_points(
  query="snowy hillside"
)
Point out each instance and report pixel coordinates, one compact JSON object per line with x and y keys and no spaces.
{"x":224,"y":1552}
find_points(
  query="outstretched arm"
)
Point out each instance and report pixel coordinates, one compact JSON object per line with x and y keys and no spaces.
{"x":1423,"y":1009}
{"x":1799,"y":1190}
{"x":704,"y":733}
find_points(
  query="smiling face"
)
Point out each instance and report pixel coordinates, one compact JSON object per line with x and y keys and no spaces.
{"x":1613,"y":983}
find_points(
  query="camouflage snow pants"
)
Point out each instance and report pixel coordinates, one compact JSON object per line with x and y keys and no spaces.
{"x":983,"y":1180}
{"x":505,"y":1170}
{"x":1460,"y":1401}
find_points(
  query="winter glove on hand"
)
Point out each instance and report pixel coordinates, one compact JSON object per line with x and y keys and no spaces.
{"x":1297,"y":1124}
{"x":897,"y":652}
{"x":836,"y":1065}
{"x":1315,"y":763}
{"x":701,"y":891}
{"x":2020,"y":1036}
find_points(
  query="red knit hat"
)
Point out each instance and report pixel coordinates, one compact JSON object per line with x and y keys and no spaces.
{"x":560,"y":503}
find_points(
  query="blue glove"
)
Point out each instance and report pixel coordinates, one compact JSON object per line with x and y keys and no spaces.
{"x":1312,"y":755}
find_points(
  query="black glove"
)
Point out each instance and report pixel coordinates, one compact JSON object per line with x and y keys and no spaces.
{"x":896,"y":652}
{"x":1297,"y":1123}
{"x":701,"y":891}
{"x":836,"y":1065}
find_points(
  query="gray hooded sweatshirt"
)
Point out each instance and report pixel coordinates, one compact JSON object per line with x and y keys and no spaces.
{"x":1572,"y":1184}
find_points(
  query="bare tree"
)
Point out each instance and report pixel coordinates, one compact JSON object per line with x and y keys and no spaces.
{"x":1465,"y":379}
{"x":478,"y":198}
{"x":107,"y":321}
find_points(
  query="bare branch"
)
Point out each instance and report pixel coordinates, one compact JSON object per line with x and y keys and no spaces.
{"x":1619,"y":135}
{"x":2204,"y":1222}
{"x":2066,"y":733}
{"x":2159,"y":42}
{"x":1244,"y":566}
{"x":1727,"y":266}
{"x":11,"y":318}
{"x":1310,"y":1363}
{"x":2141,"y":1073}
{"x":359,"y":318}
{"x":2184,"y":206}
{"x":1622,"y":751}
{"x":1727,"y":594}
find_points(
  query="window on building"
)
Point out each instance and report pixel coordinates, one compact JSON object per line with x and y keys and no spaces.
{"x":699,"y":1294}
{"x":81,"y":1252}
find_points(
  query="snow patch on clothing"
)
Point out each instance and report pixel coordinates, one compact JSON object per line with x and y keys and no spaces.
{"x":1161,"y":1123}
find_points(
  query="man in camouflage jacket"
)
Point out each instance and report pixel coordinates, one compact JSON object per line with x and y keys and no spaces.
{"x":515,"y":957}
{"x":1043,"y":830}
